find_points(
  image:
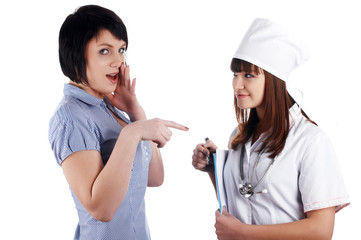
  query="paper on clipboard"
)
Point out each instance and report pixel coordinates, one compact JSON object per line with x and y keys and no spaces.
{"x":219,"y":161}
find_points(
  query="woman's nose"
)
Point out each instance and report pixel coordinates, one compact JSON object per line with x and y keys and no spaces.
{"x":118,"y":60}
{"x":238,"y":83}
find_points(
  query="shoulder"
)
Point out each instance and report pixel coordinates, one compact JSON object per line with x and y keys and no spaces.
{"x":309,"y":139}
{"x":71,"y":113}
{"x":303,"y":129}
{"x":72,"y":129}
{"x":304,"y":135}
{"x":71,"y":109}
{"x":234,"y":132}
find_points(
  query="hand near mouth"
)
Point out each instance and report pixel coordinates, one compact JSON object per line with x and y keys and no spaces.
{"x":124,"y":97}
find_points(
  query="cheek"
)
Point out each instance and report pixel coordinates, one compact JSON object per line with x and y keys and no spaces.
{"x":93,"y":69}
{"x":260,"y":91}
{"x":233,"y":83}
{"x":89,"y":74}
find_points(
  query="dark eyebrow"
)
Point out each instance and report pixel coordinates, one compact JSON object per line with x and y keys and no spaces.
{"x":109,"y":45}
{"x":105,"y":44}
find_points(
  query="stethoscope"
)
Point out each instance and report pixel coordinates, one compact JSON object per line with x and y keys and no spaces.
{"x":247,"y":189}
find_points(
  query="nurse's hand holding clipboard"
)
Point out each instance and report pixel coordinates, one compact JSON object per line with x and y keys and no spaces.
{"x":227,"y":226}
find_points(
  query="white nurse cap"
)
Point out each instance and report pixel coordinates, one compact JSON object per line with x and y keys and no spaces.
{"x":271,"y":47}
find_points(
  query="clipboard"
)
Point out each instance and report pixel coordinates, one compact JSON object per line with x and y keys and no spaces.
{"x":220,"y":158}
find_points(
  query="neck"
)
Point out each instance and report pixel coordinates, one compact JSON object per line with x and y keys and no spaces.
{"x":87,"y":89}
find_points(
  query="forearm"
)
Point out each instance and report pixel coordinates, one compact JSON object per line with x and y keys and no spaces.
{"x":156,"y":168}
{"x":318,"y":226}
{"x":303,"y":229}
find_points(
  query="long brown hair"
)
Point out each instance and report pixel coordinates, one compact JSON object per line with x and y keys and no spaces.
{"x":277,"y":102}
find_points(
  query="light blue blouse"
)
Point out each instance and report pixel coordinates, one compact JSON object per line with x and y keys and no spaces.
{"x":83,"y":122}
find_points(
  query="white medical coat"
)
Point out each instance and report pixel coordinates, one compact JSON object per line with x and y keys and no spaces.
{"x":304,"y":177}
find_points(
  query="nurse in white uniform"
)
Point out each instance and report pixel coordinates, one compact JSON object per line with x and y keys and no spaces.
{"x":281,"y":176}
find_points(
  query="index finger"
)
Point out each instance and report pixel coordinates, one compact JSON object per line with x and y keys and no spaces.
{"x":201,"y":148}
{"x":175,"y":125}
{"x":121,"y":74}
{"x":126,"y":76}
{"x":210,"y":145}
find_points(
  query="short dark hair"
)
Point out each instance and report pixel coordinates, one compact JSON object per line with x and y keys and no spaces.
{"x":77,"y":30}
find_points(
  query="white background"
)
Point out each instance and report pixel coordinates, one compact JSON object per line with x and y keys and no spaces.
{"x":180,"y":52}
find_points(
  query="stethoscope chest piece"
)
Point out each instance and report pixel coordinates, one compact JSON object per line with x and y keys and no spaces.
{"x":246,"y":190}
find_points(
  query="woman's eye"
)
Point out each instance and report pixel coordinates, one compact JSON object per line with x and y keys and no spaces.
{"x":247,"y":75}
{"x":104,"y":51}
{"x":121,"y":50}
{"x":235,"y":74}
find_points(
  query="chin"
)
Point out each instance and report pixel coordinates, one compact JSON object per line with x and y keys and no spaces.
{"x":243,"y":106}
{"x":110,"y":89}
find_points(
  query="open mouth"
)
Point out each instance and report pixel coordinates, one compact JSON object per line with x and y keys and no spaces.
{"x":113,"y":77}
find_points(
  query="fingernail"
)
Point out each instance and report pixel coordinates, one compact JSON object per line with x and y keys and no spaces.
{"x":206,"y":153}
{"x":187,"y":128}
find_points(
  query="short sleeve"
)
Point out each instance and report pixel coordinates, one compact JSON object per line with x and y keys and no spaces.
{"x":320,"y":181}
{"x":67,"y":137}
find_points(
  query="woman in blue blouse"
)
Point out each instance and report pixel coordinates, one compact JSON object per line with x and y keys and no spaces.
{"x":99,"y":133}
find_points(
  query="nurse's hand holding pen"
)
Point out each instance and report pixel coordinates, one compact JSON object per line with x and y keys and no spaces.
{"x":200,"y":154}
